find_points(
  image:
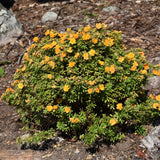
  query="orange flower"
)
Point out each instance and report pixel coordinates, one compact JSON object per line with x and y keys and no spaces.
{"x":89,"y":90}
{"x":142,"y":54}
{"x":69,"y":50}
{"x":72,"y":64}
{"x":119,"y":106}
{"x":86,"y":37}
{"x":71,"y":120}
{"x":125,"y":77}
{"x":9,"y":89}
{"x":55,"y":107}
{"x":49,"y":108}
{"x":143,"y":71}
{"x":112,"y":69}
{"x":76,"y":55}
{"x":68,"y":29}
{"x":133,"y":68}
{"x":98,"y":25}
{"x":146,"y":66}
{"x":24,"y":68}
{"x":76,"y":35}
{"x":113,"y":122}
{"x":95,"y":40}
{"x":85,"y":56}
{"x":35,"y":39}
{"x":52,"y":64}
{"x":108,"y":42}
{"x":97,"y":90}
{"x":67,"y":109}
{"x":155,"y":72}
{"x":92,"y":52}
{"x":66,"y":88}
{"x":52,"y":34}
{"x":47,"y":32}
{"x":107,"y":69}
{"x":151,"y":96}
{"x":101,"y":63}
{"x":101,"y":87}
{"x":91,"y":83}
{"x":76,"y":120}
{"x":155,"y":105}
{"x":46,"y":58}
{"x":49,"y":76}
{"x":121,"y":59}
{"x":158,"y":98}
{"x":87,"y":28}
{"x":72,"y":41}
{"x":26,"y":56}
{"x":135,"y":64}
{"x":130,"y":55}
{"x":57,"y":49}
{"x":20,"y":85}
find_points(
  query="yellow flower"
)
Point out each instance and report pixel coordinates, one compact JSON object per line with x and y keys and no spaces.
{"x":63,"y":54}
{"x":158,"y":98}
{"x":155,"y":72}
{"x":49,"y":76}
{"x":24,"y":68}
{"x":52,"y":64}
{"x":35,"y":39}
{"x":20,"y":85}
{"x":72,"y":41}
{"x":155,"y":105}
{"x":89,"y":90}
{"x":97,"y":90}
{"x":146,"y":66}
{"x":52,"y":34}
{"x":101,"y":87}
{"x":86,"y":36}
{"x":49,"y":108}
{"x":76,"y":55}
{"x":94,"y":40}
{"x":55,"y":107}
{"x":112,"y":69}
{"x":66,"y":88}
{"x":113,"y":122}
{"x":9,"y":89}
{"x":121,"y":59}
{"x":27,"y":101}
{"x":69,"y":50}
{"x":92,"y":52}
{"x":76,"y":35}
{"x":85,"y":56}
{"x":107,"y":69}
{"x":101,"y":63}
{"x":135,"y":64}
{"x":67,"y":109}
{"x":119,"y":106}
{"x":47,"y":32}
{"x":98,"y":25}
{"x":72,"y":64}
{"x":108,"y":42}
{"x":125,"y":77}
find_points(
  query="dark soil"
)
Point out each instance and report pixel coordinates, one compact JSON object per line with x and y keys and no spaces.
{"x":139,"y":22}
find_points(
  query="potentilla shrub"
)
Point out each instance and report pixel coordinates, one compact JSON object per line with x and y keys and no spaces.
{"x":84,"y":84}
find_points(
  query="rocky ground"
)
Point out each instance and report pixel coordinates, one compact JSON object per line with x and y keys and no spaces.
{"x":139,"y":21}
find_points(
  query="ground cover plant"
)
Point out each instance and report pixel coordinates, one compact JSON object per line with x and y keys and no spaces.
{"x":84,"y":84}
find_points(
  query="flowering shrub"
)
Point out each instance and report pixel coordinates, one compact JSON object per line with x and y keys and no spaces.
{"x":84,"y":84}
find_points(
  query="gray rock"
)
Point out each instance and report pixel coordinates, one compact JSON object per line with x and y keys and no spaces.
{"x":153,"y":83}
{"x":109,"y":9}
{"x":49,"y":16}
{"x":10,"y":27}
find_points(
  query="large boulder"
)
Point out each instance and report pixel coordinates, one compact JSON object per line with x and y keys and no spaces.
{"x":10,"y":27}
